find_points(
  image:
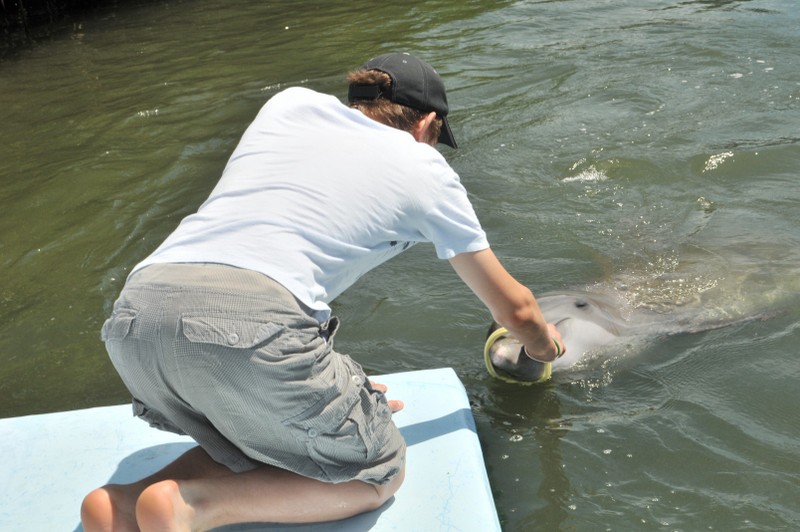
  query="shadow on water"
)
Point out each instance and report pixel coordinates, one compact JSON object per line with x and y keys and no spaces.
{"x":25,"y":22}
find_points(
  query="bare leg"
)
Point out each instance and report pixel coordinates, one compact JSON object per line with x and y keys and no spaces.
{"x":196,"y":493}
{"x":207,"y":495}
{"x":112,"y":507}
{"x":266,"y":494}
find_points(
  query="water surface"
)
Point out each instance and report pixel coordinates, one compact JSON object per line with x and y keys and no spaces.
{"x":646,"y":147}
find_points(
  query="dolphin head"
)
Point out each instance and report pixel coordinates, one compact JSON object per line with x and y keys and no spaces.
{"x":586,"y":321}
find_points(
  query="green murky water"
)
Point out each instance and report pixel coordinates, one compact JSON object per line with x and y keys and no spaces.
{"x":651,"y":147}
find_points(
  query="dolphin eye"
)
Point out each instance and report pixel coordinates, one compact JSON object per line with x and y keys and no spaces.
{"x":581,"y":303}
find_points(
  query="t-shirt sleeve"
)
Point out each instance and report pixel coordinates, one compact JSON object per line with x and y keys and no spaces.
{"x":449,"y":220}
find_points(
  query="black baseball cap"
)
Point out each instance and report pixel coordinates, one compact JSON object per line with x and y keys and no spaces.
{"x":414,"y":83}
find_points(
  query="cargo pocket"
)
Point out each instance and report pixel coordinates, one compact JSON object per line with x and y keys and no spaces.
{"x":230,"y":332}
{"x":338,"y":429}
{"x":210,"y":340}
{"x":118,"y":335}
{"x":119,"y":325}
{"x":154,"y":418}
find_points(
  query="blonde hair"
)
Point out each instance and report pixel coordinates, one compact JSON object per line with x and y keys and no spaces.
{"x":386,"y":111}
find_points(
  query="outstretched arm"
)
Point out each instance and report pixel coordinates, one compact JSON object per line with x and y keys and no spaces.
{"x":512,"y":304}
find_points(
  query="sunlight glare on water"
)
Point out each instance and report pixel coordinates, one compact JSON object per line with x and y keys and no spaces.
{"x":649,"y":149}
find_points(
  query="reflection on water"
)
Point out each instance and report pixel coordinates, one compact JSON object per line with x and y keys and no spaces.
{"x":650,"y":148}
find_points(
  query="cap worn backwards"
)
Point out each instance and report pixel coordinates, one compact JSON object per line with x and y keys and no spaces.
{"x":414,"y":83}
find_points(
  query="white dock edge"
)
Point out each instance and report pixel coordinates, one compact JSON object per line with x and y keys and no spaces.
{"x":50,"y":461}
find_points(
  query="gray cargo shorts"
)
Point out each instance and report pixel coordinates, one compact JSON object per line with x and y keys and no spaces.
{"x":229,"y":357}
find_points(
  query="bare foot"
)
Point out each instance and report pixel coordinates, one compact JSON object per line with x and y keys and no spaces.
{"x":162,"y":507}
{"x":110,"y":508}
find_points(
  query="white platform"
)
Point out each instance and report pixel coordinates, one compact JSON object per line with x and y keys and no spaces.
{"x":50,"y":461}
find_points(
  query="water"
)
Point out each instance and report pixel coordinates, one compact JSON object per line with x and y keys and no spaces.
{"x":647,"y":147}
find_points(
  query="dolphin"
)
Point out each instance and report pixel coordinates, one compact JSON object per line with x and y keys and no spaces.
{"x":588,"y":322}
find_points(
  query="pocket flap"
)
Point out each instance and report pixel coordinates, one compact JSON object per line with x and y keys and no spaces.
{"x":228,"y":331}
{"x":118,"y":325}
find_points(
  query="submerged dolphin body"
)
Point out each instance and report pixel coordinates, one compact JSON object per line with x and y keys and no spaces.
{"x":588,"y":322}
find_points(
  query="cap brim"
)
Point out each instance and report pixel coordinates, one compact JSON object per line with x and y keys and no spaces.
{"x":446,"y":134}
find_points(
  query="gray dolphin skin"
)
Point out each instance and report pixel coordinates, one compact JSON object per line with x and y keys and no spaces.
{"x":586,"y":322}
{"x":591,"y":321}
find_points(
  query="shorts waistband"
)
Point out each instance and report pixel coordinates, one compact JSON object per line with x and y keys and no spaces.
{"x":213,"y":276}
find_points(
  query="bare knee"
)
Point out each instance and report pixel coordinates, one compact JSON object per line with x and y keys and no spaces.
{"x":386,"y":491}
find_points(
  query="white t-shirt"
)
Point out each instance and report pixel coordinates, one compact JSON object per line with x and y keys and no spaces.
{"x":316,"y":194}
